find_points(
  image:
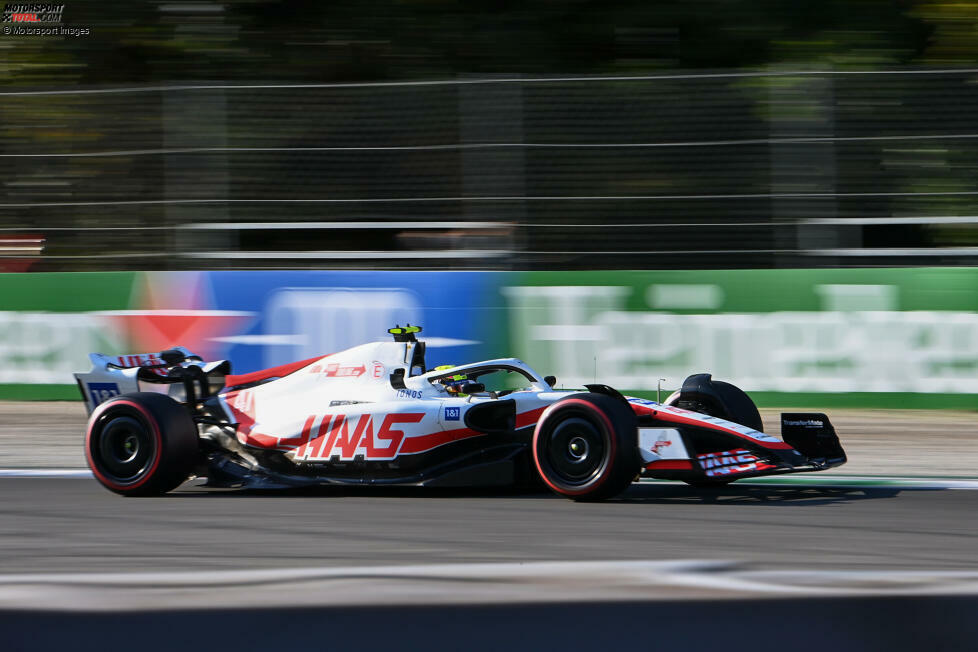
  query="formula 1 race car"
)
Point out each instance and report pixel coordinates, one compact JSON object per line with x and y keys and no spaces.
{"x":375,"y":415}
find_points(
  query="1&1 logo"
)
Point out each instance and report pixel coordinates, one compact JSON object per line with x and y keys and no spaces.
{"x":453,"y":413}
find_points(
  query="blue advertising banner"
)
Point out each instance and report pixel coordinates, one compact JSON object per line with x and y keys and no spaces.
{"x":293,"y":315}
{"x":255,"y":319}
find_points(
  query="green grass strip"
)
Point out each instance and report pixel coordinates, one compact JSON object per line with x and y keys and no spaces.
{"x":10,"y":392}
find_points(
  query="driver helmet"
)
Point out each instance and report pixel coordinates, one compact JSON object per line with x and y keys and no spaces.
{"x":453,"y":384}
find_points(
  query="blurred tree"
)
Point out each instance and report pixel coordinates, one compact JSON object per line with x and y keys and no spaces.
{"x":954,"y":31}
{"x":244,"y":41}
{"x":396,"y":39}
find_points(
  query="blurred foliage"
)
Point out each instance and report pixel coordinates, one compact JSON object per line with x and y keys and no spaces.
{"x":311,"y":40}
{"x":55,"y":143}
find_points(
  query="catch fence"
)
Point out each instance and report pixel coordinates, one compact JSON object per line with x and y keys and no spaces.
{"x":780,"y":168}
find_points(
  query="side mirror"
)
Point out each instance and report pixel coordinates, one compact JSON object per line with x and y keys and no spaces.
{"x":472,"y":388}
{"x":550,"y":380}
{"x":172,"y":356}
{"x":397,"y":378}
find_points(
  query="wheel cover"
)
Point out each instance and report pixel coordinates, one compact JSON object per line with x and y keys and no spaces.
{"x":575,"y":450}
{"x":123,"y":448}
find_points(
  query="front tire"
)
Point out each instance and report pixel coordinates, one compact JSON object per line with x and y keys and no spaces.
{"x":585,"y":447}
{"x":700,"y":393}
{"x":141,"y":444}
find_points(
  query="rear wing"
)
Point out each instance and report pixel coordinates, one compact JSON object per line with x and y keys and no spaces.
{"x":177,"y":372}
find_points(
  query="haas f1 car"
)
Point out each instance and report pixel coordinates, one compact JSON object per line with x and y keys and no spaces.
{"x":375,"y":415}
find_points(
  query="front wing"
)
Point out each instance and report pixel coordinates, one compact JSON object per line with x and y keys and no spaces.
{"x":703,"y":455}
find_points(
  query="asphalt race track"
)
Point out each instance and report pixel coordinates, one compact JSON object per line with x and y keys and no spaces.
{"x":74,"y":525}
{"x":892,"y":565}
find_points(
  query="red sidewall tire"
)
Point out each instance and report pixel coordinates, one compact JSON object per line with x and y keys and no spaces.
{"x":160,"y":424}
{"x":99,"y":420}
{"x":619,"y":463}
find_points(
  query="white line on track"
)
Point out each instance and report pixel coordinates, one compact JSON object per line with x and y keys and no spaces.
{"x":45,"y":473}
{"x":850,"y":481}
{"x":460,"y":583}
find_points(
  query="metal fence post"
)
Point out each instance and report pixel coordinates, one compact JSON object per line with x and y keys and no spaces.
{"x":802,"y":107}
{"x":196,"y":119}
{"x":492,"y":114}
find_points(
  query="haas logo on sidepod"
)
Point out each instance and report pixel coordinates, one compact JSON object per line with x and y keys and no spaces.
{"x":336,"y":435}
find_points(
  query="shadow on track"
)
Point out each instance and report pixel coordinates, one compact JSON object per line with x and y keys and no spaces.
{"x":362,"y":491}
{"x":664,"y":494}
{"x":652,"y":494}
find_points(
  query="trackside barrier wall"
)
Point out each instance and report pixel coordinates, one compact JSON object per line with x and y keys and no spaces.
{"x":50,"y":322}
{"x":833,"y":337}
{"x":852,"y":624}
{"x":857,"y":337}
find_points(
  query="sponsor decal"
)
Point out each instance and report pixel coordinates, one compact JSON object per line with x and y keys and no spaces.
{"x":377,"y":370}
{"x":453,"y":413}
{"x":142,"y":360}
{"x":808,"y":423}
{"x":101,"y":392}
{"x":408,"y":393}
{"x":244,"y":402}
{"x":240,"y":405}
{"x":731,"y":462}
{"x":660,"y":443}
{"x":138,"y":360}
{"x":655,"y":443}
{"x":643,"y":401}
{"x":334,"y":370}
{"x":343,"y":437}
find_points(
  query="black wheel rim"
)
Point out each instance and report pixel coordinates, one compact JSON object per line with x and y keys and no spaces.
{"x":575,"y":450}
{"x":124,"y":448}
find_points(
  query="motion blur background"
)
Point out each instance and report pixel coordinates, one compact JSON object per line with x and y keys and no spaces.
{"x":528,"y":135}
{"x":535,"y":138}
{"x":780,"y":192}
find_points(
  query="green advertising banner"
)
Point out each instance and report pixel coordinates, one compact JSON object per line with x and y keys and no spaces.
{"x":48,"y":326}
{"x":858,"y":337}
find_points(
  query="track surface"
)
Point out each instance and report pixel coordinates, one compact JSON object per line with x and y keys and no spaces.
{"x":65,"y":525}
{"x":69,"y":525}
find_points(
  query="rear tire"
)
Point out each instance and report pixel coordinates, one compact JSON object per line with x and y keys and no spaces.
{"x":141,"y":444}
{"x":585,"y":447}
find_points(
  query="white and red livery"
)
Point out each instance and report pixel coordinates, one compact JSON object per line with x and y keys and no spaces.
{"x":374,"y":414}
